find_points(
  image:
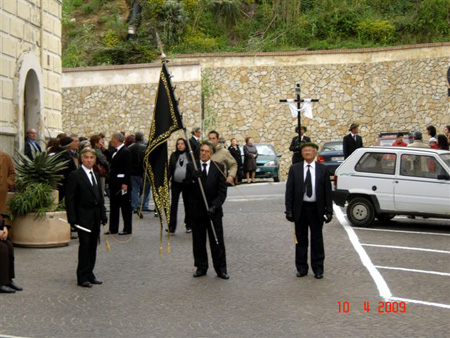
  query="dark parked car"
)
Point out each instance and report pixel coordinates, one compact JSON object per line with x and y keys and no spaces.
{"x":331,"y":155}
{"x":267,"y":161}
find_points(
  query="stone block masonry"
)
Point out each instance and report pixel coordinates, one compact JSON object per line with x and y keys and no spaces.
{"x":390,"y":89}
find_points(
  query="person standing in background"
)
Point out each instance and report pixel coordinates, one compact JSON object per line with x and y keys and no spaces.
{"x":352,"y":141}
{"x":250,"y":155}
{"x":235,"y":151}
{"x":31,"y":145}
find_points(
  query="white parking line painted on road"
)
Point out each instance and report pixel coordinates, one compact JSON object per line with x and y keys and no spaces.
{"x":398,"y":299}
{"x":383,"y":288}
{"x":404,"y":231}
{"x":255,"y":197}
{"x":6,"y":336}
{"x":405,"y":248}
{"x":414,"y":270}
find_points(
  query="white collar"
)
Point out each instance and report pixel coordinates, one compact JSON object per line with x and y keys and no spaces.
{"x":86,"y":170}
{"x":207,"y":163}
{"x":312,"y":164}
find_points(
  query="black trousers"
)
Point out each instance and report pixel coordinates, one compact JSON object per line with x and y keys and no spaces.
{"x":6,"y":262}
{"x":309,"y":218}
{"x":87,"y":254}
{"x":200,"y":227}
{"x":177,"y":189}
{"x":120,"y":202}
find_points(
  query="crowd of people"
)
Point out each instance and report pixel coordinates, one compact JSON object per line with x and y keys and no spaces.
{"x":199,"y":171}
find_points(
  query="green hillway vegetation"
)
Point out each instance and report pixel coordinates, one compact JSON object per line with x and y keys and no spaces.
{"x":95,"y":31}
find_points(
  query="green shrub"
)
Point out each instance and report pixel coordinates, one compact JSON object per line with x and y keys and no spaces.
{"x":32,"y":198}
{"x":376,"y":30}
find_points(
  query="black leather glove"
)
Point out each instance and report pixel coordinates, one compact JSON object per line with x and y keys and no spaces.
{"x":328,"y":217}
{"x":197,"y":174}
{"x":289,"y":216}
{"x":212,"y":211}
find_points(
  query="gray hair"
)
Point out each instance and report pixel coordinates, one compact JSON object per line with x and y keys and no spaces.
{"x":119,"y":137}
{"x":139,"y":137}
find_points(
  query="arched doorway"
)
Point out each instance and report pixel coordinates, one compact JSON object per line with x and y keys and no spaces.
{"x":31,"y":102}
{"x":29,"y":99}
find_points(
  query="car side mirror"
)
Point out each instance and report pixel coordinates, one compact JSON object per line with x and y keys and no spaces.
{"x":445,"y":177}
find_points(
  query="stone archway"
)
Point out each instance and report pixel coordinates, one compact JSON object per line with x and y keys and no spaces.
{"x":29,"y":98}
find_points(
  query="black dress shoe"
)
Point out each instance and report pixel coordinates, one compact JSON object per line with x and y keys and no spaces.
{"x":85,"y":284}
{"x":110,"y":233}
{"x":96,"y":281}
{"x":6,"y":289}
{"x":223,"y":275}
{"x":124,"y":233}
{"x":301,"y":274}
{"x":14,"y":286}
{"x":199,"y":273}
{"x":318,"y":275}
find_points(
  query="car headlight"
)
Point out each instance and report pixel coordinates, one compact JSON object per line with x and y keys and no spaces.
{"x":270,"y":164}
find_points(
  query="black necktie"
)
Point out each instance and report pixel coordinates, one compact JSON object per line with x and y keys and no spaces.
{"x":354,"y":137}
{"x":94,"y":183}
{"x":204,"y":174}
{"x":308,"y":182}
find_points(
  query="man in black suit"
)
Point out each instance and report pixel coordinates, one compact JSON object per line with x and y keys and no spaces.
{"x":352,"y":141}
{"x":214,"y":184}
{"x":85,"y":209}
{"x":195,"y":142}
{"x":31,"y":146}
{"x":296,"y":145}
{"x":308,"y":204}
{"x":119,"y":186}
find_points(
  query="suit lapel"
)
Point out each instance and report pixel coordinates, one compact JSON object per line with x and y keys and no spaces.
{"x":87,"y":181}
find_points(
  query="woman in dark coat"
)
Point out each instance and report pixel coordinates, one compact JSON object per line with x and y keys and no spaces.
{"x":250,"y":155}
{"x":236,"y":153}
{"x":177,"y":173}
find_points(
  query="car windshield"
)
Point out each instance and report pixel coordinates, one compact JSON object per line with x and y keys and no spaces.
{"x":446,"y":158}
{"x":332,"y":146}
{"x":386,"y":142}
{"x":265,"y":150}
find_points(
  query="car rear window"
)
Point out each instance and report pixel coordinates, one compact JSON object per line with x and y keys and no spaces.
{"x":377,"y":163}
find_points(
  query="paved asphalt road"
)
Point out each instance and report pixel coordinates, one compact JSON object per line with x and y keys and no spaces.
{"x":147,"y":296}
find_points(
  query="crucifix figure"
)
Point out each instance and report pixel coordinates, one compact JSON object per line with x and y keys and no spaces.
{"x":296,"y":142}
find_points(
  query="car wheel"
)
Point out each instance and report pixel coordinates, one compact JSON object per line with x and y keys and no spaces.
{"x":360,"y":212}
{"x":385,"y":217}
{"x":276,"y":178}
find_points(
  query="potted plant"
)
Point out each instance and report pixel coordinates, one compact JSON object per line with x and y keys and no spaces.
{"x":37,"y":219}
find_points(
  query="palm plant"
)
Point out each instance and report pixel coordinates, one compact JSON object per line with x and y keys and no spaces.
{"x":42,"y":169}
{"x":35,"y":181}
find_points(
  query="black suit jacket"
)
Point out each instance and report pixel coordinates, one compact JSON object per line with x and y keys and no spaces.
{"x":84,"y":203}
{"x":215,"y":190}
{"x":295,"y":147}
{"x":295,"y":190}
{"x":350,"y":145}
{"x":195,"y":145}
{"x":121,"y":165}
{"x":28,"y":148}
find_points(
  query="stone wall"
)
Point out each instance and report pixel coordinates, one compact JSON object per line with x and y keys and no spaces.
{"x":30,"y":72}
{"x":383,"y":90}
{"x":125,"y":100}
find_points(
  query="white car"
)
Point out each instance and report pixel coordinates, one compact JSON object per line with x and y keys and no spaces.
{"x":386,"y":181}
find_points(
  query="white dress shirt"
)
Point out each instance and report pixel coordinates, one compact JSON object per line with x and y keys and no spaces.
{"x":207,"y":166}
{"x":312,"y":170}
{"x":88,"y":173}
